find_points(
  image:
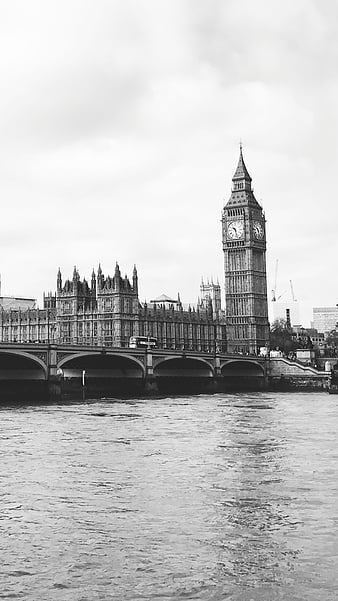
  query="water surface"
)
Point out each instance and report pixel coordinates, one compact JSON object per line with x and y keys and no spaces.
{"x":203,"y":497}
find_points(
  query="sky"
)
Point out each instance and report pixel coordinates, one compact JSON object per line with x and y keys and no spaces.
{"x":120,"y":124}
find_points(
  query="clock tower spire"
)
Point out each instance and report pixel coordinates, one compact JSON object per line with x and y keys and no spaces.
{"x":241,"y":179}
{"x":244,"y":246}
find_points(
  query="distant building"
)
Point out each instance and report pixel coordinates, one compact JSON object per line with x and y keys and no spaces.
{"x":17,"y":302}
{"x":317,"y":338}
{"x":166,"y":302}
{"x":325,"y":319}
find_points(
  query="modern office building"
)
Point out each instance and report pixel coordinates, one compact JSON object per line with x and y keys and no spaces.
{"x":325,"y":319}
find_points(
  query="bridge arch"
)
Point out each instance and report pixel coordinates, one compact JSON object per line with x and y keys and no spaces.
{"x":243,"y":374}
{"x":242,"y":366}
{"x":101,"y":374}
{"x":20,"y":365}
{"x":180,"y":374}
{"x":105,"y":359}
{"x":183,"y":366}
{"x":23,"y":377}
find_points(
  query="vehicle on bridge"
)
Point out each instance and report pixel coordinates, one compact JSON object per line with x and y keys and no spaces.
{"x":142,"y":342}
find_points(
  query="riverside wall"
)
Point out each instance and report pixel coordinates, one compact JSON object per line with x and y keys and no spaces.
{"x":286,"y":375}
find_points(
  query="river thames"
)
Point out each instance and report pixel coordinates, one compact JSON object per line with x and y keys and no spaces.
{"x":189,"y":497}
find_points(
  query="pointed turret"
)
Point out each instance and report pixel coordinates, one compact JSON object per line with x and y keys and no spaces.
{"x":135,"y":280}
{"x":76,"y":275}
{"x":117,"y":277}
{"x":241,"y":174}
{"x":100,"y":278}
{"x":59,"y":281}
{"x":242,"y":192}
{"x":93,"y":281}
{"x":76,"y":278}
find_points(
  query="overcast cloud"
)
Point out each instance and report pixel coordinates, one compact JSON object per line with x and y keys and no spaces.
{"x":119,"y":130}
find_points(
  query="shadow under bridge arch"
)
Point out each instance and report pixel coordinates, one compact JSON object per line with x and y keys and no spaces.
{"x":101,"y":374}
{"x":22,"y":377}
{"x":184,"y":374}
{"x":242,"y":374}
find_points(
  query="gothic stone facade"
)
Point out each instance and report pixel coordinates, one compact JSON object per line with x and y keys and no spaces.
{"x":108,"y":312}
{"x":244,"y":245}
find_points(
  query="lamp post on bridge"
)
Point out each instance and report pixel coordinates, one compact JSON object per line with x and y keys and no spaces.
{"x":51,"y":328}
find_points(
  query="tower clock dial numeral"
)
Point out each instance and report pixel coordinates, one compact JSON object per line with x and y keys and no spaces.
{"x":235,"y":230}
{"x":257,"y":230}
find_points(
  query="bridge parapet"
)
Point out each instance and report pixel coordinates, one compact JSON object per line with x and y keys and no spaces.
{"x":54,"y":354}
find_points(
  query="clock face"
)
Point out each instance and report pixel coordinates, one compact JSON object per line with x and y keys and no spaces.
{"x":235,"y":230}
{"x":258,"y":230}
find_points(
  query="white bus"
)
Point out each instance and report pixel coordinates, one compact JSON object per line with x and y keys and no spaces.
{"x":142,"y":342}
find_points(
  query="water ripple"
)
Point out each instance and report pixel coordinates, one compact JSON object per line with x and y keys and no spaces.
{"x":212,"y":498}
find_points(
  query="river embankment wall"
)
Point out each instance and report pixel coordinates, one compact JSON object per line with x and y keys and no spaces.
{"x":291,"y":375}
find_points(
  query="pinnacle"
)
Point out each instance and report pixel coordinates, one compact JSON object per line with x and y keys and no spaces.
{"x":241,"y":170}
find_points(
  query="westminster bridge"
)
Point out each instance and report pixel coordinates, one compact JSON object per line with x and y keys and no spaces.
{"x":57,"y":370}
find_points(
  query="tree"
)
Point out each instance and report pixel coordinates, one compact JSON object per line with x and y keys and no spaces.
{"x":332,"y":343}
{"x":281,"y":336}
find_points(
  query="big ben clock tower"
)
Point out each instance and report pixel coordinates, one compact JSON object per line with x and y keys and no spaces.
{"x":244,"y":245}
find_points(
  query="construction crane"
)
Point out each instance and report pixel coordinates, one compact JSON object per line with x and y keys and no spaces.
{"x":274,"y":291}
{"x":292,"y":292}
{"x":274,"y":296}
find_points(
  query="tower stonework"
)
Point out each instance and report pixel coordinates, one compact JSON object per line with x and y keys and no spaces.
{"x":210,"y":291}
{"x":244,"y":246}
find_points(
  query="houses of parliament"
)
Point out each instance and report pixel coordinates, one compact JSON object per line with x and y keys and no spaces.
{"x":107,"y":311}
